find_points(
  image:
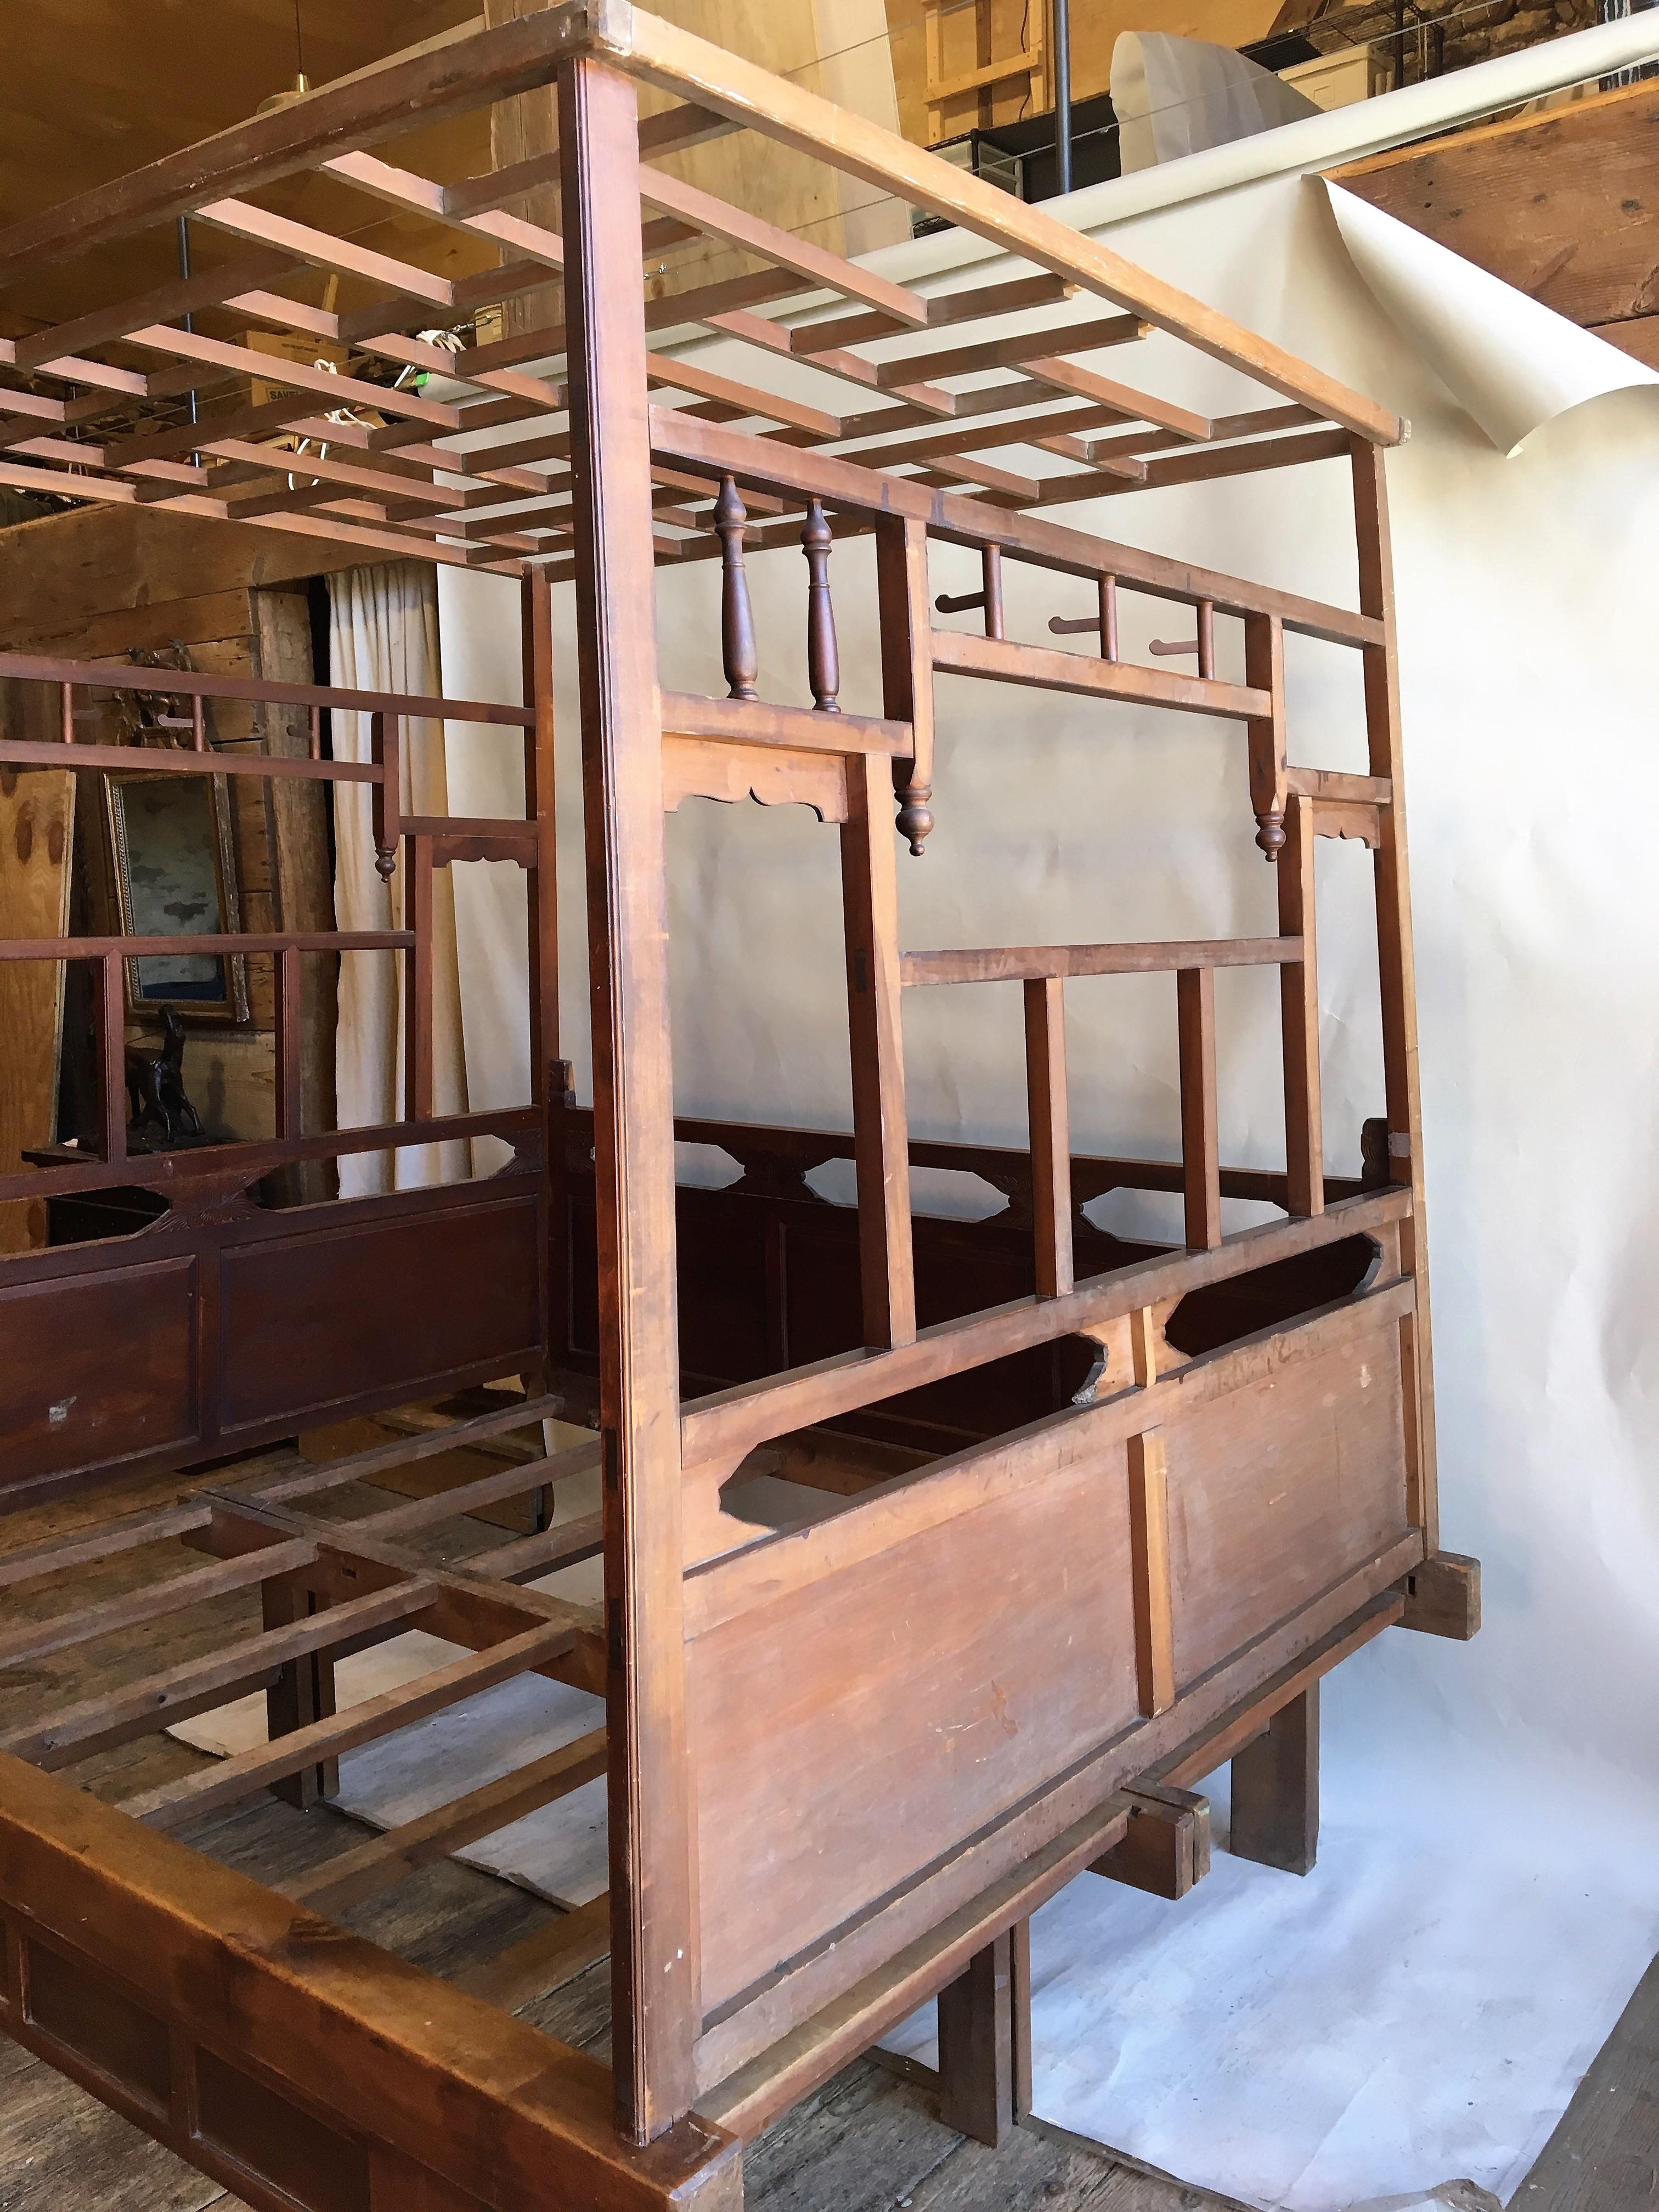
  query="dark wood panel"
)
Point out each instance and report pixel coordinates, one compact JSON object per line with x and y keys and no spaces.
{"x":855,"y":1729}
{"x":97,"y":1368}
{"x":310,"y":1320}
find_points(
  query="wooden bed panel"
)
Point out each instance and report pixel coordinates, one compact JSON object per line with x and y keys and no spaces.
{"x":1281,"y":1487}
{"x":64,"y":1402}
{"x":849,"y":1733}
{"x":308,"y":1320}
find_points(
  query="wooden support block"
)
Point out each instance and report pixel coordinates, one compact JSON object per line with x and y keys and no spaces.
{"x":1149,"y":1540}
{"x":978,"y":2046}
{"x":1443,"y":1596}
{"x":1167,"y":1849}
{"x":1275,"y":1817}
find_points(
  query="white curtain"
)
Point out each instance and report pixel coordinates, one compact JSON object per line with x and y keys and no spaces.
{"x":383,"y":636}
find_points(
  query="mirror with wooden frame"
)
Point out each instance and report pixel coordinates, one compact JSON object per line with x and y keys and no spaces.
{"x":173,"y":860}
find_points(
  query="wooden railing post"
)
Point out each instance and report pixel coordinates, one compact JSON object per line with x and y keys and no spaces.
{"x":881,"y":1129}
{"x":1200,"y":1151}
{"x":1264,"y":670}
{"x":1299,"y":988}
{"x":290,"y":1015}
{"x":907,"y":662}
{"x":386,"y":751}
{"x":654,"y":1970}
{"x":536,"y":630}
{"x":113,"y":1058}
{"x":1394,"y":947}
{"x":738,"y":651}
{"x":1049,"y":1126}
{"x":823,"y":655}
{"x":418,"y":983}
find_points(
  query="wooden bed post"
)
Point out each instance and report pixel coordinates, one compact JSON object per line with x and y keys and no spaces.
{"x":1395,"y":962}
{"x":653,"y":1950}
{"x":549,"y":1075}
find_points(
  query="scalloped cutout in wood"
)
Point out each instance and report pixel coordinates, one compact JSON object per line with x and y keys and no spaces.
{"x":773,"y":776}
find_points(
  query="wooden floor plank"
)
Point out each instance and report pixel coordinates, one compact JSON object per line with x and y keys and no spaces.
{"x":1604,"y":2155}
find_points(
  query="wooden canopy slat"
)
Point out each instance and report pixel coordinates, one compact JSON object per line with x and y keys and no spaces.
{"x":675,"y":60}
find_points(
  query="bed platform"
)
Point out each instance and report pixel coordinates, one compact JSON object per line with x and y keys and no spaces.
{"x":1081,"y":1519}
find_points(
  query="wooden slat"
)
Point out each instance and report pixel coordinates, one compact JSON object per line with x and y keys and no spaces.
{"x":1050,"y":1125}
{"x":676,"y":61}
{"x":503,"y":1482}
{"x":1018,"y":962}
{"x":880,"y":1129}
{"x":375,"y":103}
{"x":39,"y":1639}
{"x":185,"y":682}
{"x":1001,"y":661}
{"x":552,"y":1956}
{"x":1149,"y":1546}
{"x":300,"y":1478}
{"x":1015,"y":351}
{"x":173,"y":1693}
{"x":104,"y":1543}
{"x":341,"y":1882}
{"x":756,"y":722}
{"x":1304,"y":1147}
{"x":170,"y":1804}
{"x":1200,"y":1152}
{"x":717,"y":218}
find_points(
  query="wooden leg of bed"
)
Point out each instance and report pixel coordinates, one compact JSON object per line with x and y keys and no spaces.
{"x":302,"y":1693}
{"x":1275,"y":1817}
{"x":985,"y":2041}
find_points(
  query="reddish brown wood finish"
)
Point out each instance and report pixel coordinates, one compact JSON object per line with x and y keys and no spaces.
{"x":1144,"y":1495}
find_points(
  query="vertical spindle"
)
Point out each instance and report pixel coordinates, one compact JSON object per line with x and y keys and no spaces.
{"x":316,"y":733}
{"x":1206,"y":638}
{"x":737,"y":616}
{"x":198,"y":724}
{"x":1108,"y":617}
{"x":69,"y":714}
{"x":990,"y":557}
{"x":823,"y":657}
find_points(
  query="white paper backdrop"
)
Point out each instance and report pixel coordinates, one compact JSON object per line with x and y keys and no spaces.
{"x":1489,"y":1892}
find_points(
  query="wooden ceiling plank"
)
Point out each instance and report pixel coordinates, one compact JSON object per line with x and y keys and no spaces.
{"x":323,"y":250}
{"x":210,"y":288}
{"x":718,"y":218}
{"x":1014,"y":352}
{"x":398,"y":95}
{"x":1133,"y":406}
{"x":345,"y":391}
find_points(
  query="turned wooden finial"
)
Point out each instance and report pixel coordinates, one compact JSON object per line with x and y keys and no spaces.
{"x":823,"y":656}
{"x":738,"y":651}
{"x":1270,"y":833}
{"x":914,"y":819}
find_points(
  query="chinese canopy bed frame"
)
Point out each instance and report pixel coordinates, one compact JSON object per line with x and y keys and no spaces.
{"x":1120,"y":1506}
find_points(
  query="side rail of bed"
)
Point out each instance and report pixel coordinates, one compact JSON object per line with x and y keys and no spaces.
{"x":235,"y":1314}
